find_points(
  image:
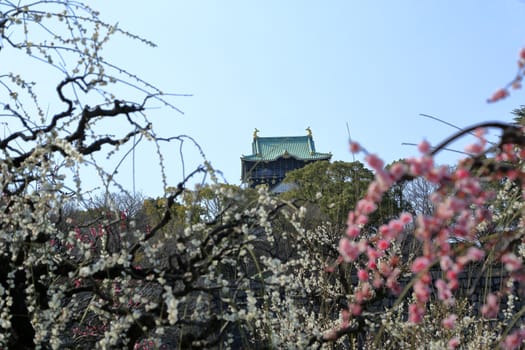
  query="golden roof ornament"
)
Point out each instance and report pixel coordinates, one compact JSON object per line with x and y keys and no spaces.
{"x":255,"y":133}
{"x":309,"y":131}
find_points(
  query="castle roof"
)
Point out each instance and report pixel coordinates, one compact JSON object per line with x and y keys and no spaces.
{"x":272,"y":148}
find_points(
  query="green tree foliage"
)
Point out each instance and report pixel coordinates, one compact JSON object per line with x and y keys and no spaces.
{"x":335,"y":188}
{"x":155,"y":209}
{"x":519,"y":115}
{"x":202,"y":204}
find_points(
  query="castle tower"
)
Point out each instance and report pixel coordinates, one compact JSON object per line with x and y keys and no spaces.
{"x":273,"y":157}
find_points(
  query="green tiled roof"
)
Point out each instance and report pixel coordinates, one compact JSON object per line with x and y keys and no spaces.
{"x":271,"y":148}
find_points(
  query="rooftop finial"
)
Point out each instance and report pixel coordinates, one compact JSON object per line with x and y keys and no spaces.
{"x":255,"y":133}
{"x":309,"y":131}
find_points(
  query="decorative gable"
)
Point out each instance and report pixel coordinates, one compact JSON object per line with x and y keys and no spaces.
{"x":273,"y":157}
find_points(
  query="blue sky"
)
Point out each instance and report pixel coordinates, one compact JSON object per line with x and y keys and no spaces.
{"x":281,"y":66}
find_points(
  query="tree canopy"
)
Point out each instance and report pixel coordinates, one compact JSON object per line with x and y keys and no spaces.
{"x":336,"y":187}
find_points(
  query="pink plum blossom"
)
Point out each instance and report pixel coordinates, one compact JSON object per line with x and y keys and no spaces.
{"x":383,"y":244}
{"x":453,"y":343}
{"x":420,"y":264}
{"x":374,"y":161}
{"x":424,"y":147}
{"x":362,"y":275}
{"x":415,"y":313}
{"x":349,"y":250}
{"x":512,"y":262}
{"x":491,"y":307}
{"x":450,"y":321}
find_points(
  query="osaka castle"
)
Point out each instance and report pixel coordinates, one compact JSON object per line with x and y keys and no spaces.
{"x":273,"y":157}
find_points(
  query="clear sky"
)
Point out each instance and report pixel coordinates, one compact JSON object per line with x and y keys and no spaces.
{"x":283,"y":65}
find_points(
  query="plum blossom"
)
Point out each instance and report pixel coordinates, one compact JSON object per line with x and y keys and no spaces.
{"x":349,"y":250}
{"x":420,"y":264}
{"x":415,"y":313}
{"x":450,"y":321}
{"x":424,"y":147}
{"x":512,"y":262}
{"x":491,"y":307}
{"x":362,"y":275}
{"x":514,"y":340}
{"x":453,"y":343}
